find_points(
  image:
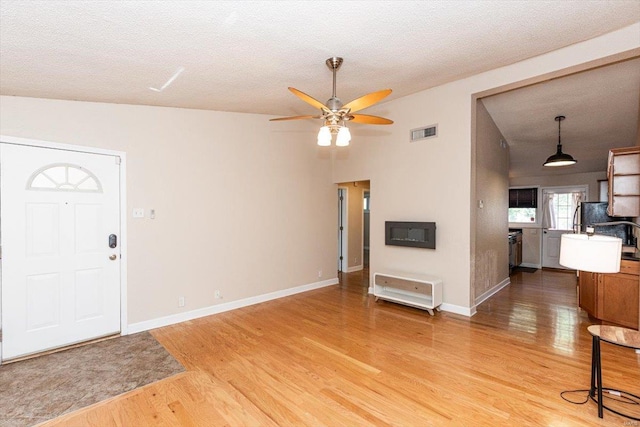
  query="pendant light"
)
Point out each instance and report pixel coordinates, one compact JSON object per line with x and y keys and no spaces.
{"x":560,"y":158}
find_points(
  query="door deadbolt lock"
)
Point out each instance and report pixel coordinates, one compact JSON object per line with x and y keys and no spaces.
{"x":113,"y":257}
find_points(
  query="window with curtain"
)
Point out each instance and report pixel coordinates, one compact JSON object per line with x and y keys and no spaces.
{"x":559,"y":207}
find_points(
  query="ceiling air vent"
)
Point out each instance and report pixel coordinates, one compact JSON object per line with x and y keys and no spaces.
{"x":424,"y":133}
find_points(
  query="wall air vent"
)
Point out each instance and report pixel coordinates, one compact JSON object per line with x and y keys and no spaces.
{"x":424,"y":133}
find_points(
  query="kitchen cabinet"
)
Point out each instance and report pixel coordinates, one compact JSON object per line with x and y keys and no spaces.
{"x":613,"y":298}
{"x":587,"y":292}
{"x":623,"y":174}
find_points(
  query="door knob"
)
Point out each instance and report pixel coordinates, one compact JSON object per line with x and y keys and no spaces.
{"x":112,"y":257}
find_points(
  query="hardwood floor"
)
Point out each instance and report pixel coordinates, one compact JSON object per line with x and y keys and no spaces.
{"x":335,"y":357}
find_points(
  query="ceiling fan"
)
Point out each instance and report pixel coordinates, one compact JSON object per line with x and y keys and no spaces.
{"x":335,"y":114}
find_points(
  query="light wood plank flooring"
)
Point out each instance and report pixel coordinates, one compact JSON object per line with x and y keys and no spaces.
{"x":335,"y":357}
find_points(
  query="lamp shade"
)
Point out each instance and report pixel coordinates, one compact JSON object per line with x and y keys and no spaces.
{"x":343,"y":138}
{"x":560,"y":159}
{"x":595,"y":253}
{"x":324,"y":136}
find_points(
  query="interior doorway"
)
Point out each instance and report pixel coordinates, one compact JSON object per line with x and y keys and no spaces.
{"x":353,"y":225}
{"x":366,"y":226}
{"x":343,"y":229}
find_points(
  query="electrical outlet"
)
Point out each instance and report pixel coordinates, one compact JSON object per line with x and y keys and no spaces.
{"x":217,"y":294}
{"x":319,"y":273}
{"x":180,"y":301}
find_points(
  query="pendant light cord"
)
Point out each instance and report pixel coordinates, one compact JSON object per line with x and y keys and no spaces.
{"x":559,"y":119}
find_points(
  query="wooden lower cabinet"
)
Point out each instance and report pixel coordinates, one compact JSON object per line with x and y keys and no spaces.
{"x":613,"y":298}
{"x":588,"y":292}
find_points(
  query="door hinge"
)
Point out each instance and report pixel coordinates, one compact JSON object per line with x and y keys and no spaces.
{"x":341,"y":228}
{"x":341,"y":198}
{"x":340,"y":257}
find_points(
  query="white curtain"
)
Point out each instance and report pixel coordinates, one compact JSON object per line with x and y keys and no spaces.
{"x":549,"y":214}
{"x":548,"y":211}
{"x":576,"y":198}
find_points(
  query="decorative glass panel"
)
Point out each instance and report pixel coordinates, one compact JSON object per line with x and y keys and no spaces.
{"x":64,"y":177}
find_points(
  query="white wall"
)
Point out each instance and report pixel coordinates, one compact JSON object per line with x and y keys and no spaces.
{"x":431,"y":180}
{"x":242,"y":205}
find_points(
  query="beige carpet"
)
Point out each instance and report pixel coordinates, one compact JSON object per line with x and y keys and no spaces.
{"x":35,"y":390}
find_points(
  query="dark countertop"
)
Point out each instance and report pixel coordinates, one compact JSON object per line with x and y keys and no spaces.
{"x":631,"y":257}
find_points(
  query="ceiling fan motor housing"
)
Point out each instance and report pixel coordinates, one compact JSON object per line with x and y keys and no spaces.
{"x":334,"y":103}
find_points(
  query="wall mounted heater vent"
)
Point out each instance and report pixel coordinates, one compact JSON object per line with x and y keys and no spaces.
{"x":424,"y":133}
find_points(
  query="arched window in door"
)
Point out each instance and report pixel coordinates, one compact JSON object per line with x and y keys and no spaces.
{"x":64,"y":177}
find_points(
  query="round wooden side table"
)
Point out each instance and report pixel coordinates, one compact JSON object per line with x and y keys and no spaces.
{"x":616,"y":335}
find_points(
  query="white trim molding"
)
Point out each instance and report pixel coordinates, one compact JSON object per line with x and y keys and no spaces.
{"x":458,"y":309}
{"x":228,"y":306}
{"x":491,"y":292}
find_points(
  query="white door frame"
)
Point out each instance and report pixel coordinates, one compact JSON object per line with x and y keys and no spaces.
{"x":345,"y":228}
{"x":123,"y":206}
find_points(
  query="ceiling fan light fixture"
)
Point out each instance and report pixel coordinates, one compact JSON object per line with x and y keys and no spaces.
{"x":560,"y":158}
{"x":334,"y":112}
{"x":324,"y":136}
{"x":344,"y":136}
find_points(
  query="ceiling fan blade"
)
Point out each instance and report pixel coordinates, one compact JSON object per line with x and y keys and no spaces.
{"x":308,"y":99}
{"x":294,"y":118}
{"x":369,"y":120}
{"x":367,"y":100}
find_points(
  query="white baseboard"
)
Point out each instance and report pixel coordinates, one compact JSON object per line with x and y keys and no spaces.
{"x":526,"y":264}
{"x":458,"y":309}
{"x":221,"y":308}
{"x":354,"y":268}
{"x":491,"y":292}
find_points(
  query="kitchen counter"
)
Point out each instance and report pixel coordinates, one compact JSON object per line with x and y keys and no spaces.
{"x":613,"y":297}
{"x":631,"y":256}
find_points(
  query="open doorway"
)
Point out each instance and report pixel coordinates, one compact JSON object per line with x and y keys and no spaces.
{"x":343,"y":228}
{"x":354,"y":207}
{"x":366,"y":224}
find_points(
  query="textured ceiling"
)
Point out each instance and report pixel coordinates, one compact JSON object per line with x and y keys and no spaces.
{"x":242,"y":55}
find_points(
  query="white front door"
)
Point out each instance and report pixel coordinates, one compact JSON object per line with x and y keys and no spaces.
{"x":551,"y":248}
{"x":60,"y":267}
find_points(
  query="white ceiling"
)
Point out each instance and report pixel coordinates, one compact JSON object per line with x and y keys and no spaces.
{"x":242,"y":55}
